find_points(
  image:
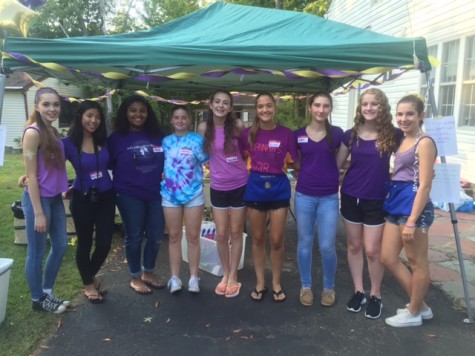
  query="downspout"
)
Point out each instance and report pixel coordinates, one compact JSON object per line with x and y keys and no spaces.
{"x":25,"y":102}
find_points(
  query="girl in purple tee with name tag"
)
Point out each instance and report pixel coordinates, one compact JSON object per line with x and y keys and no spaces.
{"x":268,"y":191}
{"x":316,"y":197}
{"x":370,"y":142}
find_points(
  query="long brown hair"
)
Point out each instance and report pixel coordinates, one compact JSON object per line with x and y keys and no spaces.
{"x":256,"y":124}
{"x":229,"y":125}
{"x":49,"y":145}
{"x":386,"y":136}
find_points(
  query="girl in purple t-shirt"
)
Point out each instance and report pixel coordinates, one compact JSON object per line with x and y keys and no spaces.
{"x":316,"y":197}
{"x":370,"y":142}
{"x":268,"y":191}
{"x":228,"y":182}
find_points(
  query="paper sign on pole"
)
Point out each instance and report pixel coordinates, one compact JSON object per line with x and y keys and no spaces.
{"x":3,"y":140}
{"x":446,"y":183}
{"x":443,"y":133}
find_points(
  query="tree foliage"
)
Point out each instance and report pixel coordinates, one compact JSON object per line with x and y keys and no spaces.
{"x":318,"y":7}
{"x":68,"y":18}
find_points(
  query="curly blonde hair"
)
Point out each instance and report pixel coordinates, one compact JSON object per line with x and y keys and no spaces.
{"x":386,"y":135}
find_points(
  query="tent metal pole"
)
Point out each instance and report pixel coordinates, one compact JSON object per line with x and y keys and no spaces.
{"x":453,"y":216}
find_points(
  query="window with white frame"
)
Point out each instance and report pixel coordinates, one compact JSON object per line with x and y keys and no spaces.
{"x":454,"y":80}
{"x":467,"y":106}
{"x":448,"y":77}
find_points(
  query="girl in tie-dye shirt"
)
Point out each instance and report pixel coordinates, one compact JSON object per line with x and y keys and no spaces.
{"x":183,"y":196}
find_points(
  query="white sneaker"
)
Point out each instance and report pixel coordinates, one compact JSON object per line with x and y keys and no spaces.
{"x":426,"y":313}
{"x":194,"y":284}
{"x":174,"y":284}
{"x":404,"y":319}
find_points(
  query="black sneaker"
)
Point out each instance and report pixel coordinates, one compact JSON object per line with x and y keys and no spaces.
{"x":356,"y":301}
{"x":55,"y":299}
{"x":47,"y":305}
{"x":373,"y":310}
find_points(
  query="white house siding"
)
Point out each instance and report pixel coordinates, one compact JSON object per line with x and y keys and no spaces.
{"x":438,"y":21}
{"x":13,"y":116}
{"x":14,"y":113}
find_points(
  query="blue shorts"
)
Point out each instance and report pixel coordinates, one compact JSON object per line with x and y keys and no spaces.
{"x":425,"y":220}
{"x":196,"y":201}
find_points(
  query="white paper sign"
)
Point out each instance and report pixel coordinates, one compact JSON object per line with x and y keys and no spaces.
{"x":446,"y":183}
{"x":3,"y":140}
{"x":443,"y":133}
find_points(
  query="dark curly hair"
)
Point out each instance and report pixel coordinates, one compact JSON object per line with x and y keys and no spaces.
{"x":121,"y":123}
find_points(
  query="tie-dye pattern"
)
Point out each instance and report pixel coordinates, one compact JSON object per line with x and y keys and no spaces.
{"x":184,"y":158}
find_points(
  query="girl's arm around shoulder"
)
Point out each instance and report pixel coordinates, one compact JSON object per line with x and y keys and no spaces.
{"x":201,"y":128}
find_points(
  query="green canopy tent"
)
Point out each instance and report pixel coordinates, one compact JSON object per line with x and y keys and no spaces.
{"x":221,"y":46}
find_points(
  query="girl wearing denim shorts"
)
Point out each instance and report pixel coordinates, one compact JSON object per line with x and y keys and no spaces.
{"x":183,"y":196}
{"x":413,"y":160}
{"x":268,"y":191}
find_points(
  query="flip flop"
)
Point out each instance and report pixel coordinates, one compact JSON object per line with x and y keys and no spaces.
{"x":259,"y":294}
{"x":233,"y":291}
{"x":94,"y":298}
{"x":154,"y":284}
{"x":276,"y":296}
{"x":140,"y":290}
{"x":221,"y":288}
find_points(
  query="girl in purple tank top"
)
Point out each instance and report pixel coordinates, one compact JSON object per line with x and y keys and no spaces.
{"x":371,"y":142}
{"x":228,"y":182}
{"x":42,"y":201}
{"x":411,"y":232}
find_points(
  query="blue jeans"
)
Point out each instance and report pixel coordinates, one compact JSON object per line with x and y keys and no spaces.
{"x":321,"y":212}
{"x":142,"y":218}
{"x":53,"y":209}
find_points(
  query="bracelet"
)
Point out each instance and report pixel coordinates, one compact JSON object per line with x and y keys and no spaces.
{"x":411,"y":226}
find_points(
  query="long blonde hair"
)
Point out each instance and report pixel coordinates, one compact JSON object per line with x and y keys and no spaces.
{"x":386,"y":133}
{"x":49,"y":145}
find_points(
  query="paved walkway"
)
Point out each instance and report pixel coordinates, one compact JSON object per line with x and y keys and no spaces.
{"x":207,"y":324}
{"x":443,"y":257}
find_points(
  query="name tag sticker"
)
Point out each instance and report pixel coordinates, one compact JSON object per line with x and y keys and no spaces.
{"x":186,"y":151}
{"x":231,"y":159}
{"x":302,"y":139}
{"x":274,"y":143}
{"x":157,"y":149}
{"x":95,"y":175}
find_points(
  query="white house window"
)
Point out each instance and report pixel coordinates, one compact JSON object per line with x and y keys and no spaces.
{"x":467,"y":112}
{"x":448,"y":77}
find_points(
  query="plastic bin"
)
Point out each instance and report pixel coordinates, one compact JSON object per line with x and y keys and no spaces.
{"x":209,"y":260}
{"x":5,"y":267}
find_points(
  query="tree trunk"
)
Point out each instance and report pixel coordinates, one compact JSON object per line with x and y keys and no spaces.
{"x":278,"y":4}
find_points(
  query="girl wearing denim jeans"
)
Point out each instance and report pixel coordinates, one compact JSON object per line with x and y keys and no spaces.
{"x":136,"y":159}
{"x":42,"y":201}
{"x":316,"y":197}
{"x":415,"y":157}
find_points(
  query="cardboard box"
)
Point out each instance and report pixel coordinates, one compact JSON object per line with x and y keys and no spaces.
{"x":209,"y":260}
{"x":5,"y":267}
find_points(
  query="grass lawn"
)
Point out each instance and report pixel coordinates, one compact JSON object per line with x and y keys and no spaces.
{"x":22,"y":330}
